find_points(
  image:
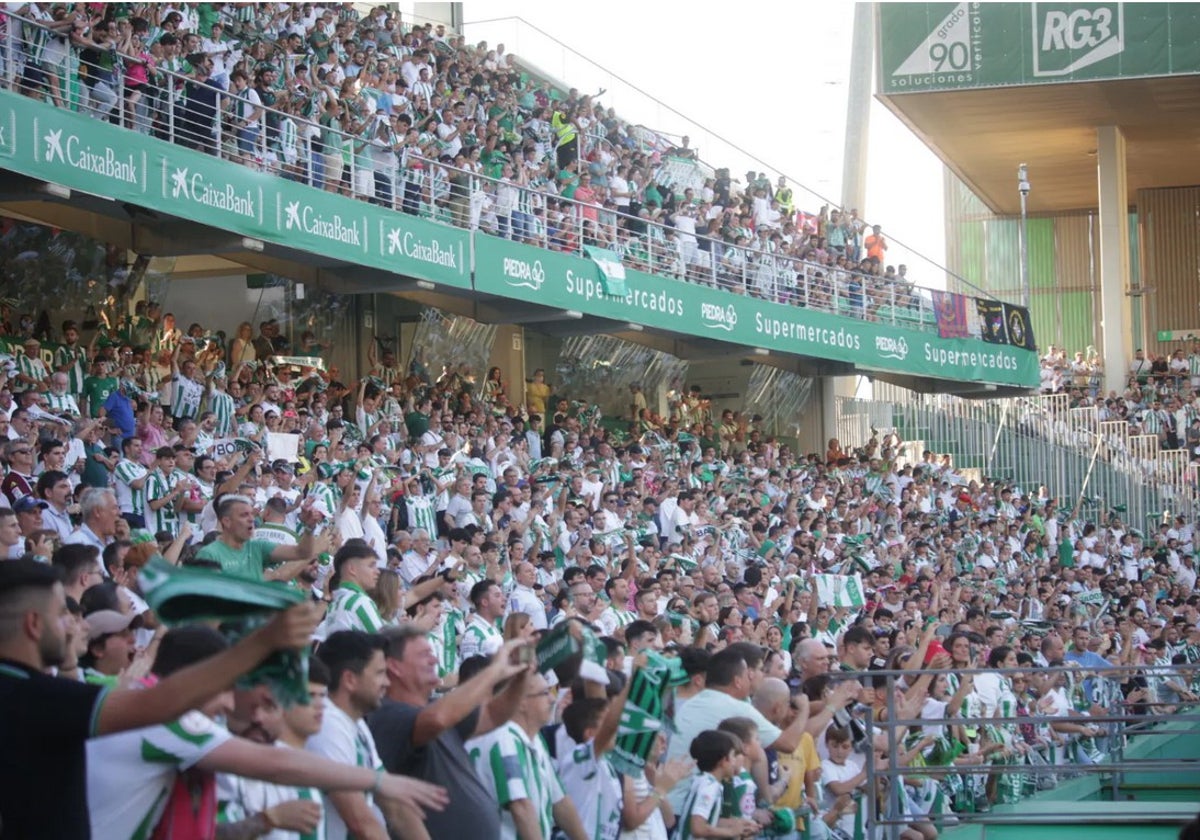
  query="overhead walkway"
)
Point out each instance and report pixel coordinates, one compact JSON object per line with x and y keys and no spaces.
{"x":155,"y":196}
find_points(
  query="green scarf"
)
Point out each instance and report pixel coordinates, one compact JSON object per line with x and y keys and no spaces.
{"x":181,"y":595}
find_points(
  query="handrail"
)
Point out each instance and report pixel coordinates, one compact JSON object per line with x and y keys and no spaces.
{"x":749,"y":155}
{"x":1114,"y":731}
{"x":741,"y":268}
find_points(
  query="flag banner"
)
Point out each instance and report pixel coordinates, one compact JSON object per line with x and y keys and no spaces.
{"x":951,"y":311}
{"x":225,"y":447}
{"x":839,"y":590}
{"x":570,"y":649}
{"x":991,"y":318}
{"x":646,"y":711}
{"x":184,"y":595}
{"x":1017,"y":323}
{"x":299,"y":361}
{"x":611,"y":270}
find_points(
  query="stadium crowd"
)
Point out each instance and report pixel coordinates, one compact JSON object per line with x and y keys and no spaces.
{"x":442,"y":525}
{"x":1159,"y":397}
{"x":414,"y":118}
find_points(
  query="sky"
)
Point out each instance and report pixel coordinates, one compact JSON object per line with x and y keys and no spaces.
{"x":767,"y":80}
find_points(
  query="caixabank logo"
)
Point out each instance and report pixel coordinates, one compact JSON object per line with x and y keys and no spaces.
{"x":1068,"y":37}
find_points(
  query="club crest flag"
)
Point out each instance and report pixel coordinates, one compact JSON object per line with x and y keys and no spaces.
{"x":991,"y":318}
{"x":951,"y":311}
{"x":1016,"y":323}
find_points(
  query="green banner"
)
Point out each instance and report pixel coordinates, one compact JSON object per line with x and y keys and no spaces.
{"x":552,"y":279}
{"x":84,"y":154}
{"x":953,"y":46}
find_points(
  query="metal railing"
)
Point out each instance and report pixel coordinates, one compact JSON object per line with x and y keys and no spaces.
{"x":371,"y":163}
{"x":1120,"y":725}
{"x":1034,"y":441}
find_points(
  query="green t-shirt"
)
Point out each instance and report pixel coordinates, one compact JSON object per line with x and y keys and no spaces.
{"x":247,"y":562}
{"x":416,"y":423}
{"x":96,"y":390}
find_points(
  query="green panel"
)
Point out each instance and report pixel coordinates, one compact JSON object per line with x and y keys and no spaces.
{"x":64,"y":147}
{"x":1041,"y":253}
{"x":953,"y":46}
{"x":974,"y":254}
{"x":548,"y":278}
{"x":1078,"y":321}
{"x":1004,"y":257}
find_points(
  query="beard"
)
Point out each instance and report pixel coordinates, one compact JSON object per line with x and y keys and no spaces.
{"x":52,"y":650}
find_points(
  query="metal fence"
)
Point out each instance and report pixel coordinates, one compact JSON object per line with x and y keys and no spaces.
{"x":372,"y":163}
{"x":1110,"y":757}
{"x":1034,"y":441}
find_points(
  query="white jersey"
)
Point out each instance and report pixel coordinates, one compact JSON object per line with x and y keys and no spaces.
{"x":513,"y":766}
{"x":130,"y":774}
{"x":240,"y":799}
{"x":346,"y":742}
{"x":594,"y":787}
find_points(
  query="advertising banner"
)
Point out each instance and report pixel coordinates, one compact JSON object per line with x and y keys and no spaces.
{"x":548,"y":278}
{"x":84,"y":154}
{"x":955,"y":46}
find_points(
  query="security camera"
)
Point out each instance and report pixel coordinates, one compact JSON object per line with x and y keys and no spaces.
{"x":1023,"y":180}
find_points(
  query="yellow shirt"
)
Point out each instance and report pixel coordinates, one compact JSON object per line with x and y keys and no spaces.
{"x":800,"y":762}
{"x":536,"y":394}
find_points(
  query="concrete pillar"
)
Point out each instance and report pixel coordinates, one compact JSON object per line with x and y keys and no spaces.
{"x":1115,"y":308}
{"x":854,"y":171}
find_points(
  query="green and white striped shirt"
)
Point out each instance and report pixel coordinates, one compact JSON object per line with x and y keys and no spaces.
{"x":185,"y":397}
{"x":513,"y":766}
{"x":130,"y":499}
{"x":703,"y":800}
{"x":31,"y":366}
{"x":277,"y":533}
{"x":73,"y":362}
{"x":421,"y":513}
{"x":61,"y":404}
{"x":353,"y":609}
{"x":159,"y":486}
{"x":480,"y":638}
{"x":240,"y":799}
{"x":222,"y":405}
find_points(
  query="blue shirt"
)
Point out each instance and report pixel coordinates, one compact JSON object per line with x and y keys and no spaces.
{"x":119,"y":410}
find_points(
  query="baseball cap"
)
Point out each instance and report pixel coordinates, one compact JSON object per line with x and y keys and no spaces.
{"x":28,"y":504}
{"x":107,"y":622}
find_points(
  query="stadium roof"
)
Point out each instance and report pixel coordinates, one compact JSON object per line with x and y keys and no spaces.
{"x":983,"y":134}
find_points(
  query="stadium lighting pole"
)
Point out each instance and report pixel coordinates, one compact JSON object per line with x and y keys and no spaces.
{"x":1023,"y":188}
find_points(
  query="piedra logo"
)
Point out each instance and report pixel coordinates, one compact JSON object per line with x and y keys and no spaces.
{"x":104,"y":160}
{"x":524,"y":274}
{"x":191,"y":186}
{"x":313,"y":223}
{"x":891,"y":348}
{"x":717,"y":317}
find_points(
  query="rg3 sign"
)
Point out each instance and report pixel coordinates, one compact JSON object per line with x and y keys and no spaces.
{"x":1069,"y":36}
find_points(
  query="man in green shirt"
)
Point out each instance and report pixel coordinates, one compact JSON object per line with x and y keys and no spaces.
{"x":417,"y":422}
{"x":241,"y":556}
{"x":97,"y":387}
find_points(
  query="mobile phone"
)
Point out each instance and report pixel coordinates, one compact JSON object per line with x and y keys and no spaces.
{"x":935,"y":647}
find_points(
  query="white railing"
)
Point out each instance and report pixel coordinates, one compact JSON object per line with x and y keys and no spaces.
{"x":1034,"y":441}
{"x":363,"y":157}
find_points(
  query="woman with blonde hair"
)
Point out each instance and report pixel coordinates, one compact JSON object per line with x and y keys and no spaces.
{"x":387,"y":596}
{"x":241,"y":349}
{"x":519,"y":626}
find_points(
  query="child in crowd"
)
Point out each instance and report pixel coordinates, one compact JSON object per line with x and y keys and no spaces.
{"x":843,"y":778}
{"x":742,"y":797}
{"x":718,"y":757}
